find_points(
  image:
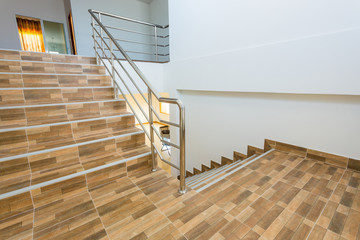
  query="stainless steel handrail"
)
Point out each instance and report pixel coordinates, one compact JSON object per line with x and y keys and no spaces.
{"x":132,"y":31}
{"x":129,"y":19}
{"x":96,"y":21}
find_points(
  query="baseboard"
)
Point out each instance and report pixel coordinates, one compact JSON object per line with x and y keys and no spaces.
{"x":332,"y":159}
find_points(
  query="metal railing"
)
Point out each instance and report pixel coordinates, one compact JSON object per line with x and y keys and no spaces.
{"x":107,"y":47}
{"x":156,"y":43}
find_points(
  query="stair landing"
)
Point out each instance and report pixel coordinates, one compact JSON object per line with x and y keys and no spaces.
{"x":279,"y":196}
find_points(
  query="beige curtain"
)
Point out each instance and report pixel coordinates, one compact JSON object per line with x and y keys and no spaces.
{"x":31,"y":37}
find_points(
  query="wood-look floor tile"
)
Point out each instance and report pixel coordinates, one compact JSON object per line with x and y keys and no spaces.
{"x":91,"y":130}
{"x":65,"y":209}
{"x":83,"y":111}
{"x":93,"y":69}
{"x":68,"y":69}
{"x":11,"y":81}
{"x":72,"y":81}
{"x":11,"y":97}
{"x":49,"y":137}
{"x":16,"y":217}
{"x":13,"y":143}
{"x":10,"y":118}
{"x":14,"y":175}
{"x":97,"y":154}
{"x":10,"y":66}
{"x":77,"y":94}
{"x":9,"y":55}
{"x":99,"y":80}
{"x":45,"y":115}
{"x":36,"y":57}
{"x":37,"y":67}
{"x":56,"y":164}
{"x":36,"y":96}
{"x":32,"y":80}
{"x":112,"y":108}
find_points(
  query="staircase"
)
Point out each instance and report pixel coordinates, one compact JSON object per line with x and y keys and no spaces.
{"x":59,"y":120}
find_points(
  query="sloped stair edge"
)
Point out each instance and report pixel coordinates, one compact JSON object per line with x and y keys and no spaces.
{"x":70,"y":176}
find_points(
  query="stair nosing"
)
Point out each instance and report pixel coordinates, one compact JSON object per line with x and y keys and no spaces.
{"x":59,"y":103}
{"x":66,"y":122}
{"x":41,"y":88}
{"x":21,"y":60}
{"x":65,"y":54}
{"x":65,"y":74}
{"x":70,"y":176}
{"x":4,"y":159}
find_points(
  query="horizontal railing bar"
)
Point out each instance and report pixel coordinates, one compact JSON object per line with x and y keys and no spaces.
{"x":125,"y":98}
{"x":162,"y":159}
{"x":132,"y":31}
{"x":169,"y":123}
{"x":127,"y":73}
{"x":132,"y":109}
{"x":132,"y":64}
{"x":129,"y":19}
{"x":171,"y":144}
{"x":162,"y":55}
{"x":147,"y":44}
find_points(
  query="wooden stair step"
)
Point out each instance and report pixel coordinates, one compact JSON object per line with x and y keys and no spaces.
{"x":19,"y":66}
{"x":24,"y":80}
{"x":45,"y":57}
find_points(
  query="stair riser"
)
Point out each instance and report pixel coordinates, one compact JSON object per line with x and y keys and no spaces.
{"x":44,"y":80}
{"x":45,"y":57}
{"x":49,"y":68}
{"x":48,"y":137}
{"x":10,"y":97}
{"x":30,"y":116}
{"x":19,"y":173}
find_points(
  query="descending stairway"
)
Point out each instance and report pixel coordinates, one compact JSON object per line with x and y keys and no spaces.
{"x":59,"y":119}
{"x":206,"y":179}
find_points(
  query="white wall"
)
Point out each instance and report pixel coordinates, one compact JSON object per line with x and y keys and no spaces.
{"x":219,"y":123}
{"x":50,"y":10}
{"x":284,"y":70}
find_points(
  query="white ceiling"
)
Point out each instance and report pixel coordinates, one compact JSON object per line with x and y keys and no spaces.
{"x":146,"y":1}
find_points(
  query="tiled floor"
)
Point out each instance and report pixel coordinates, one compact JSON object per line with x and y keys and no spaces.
{"x":280,"y":196}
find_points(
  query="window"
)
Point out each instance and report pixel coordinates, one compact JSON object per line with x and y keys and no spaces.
{"x":31,"y":37}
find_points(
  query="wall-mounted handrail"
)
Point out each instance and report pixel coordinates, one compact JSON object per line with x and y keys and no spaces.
{"x":114,"y":45}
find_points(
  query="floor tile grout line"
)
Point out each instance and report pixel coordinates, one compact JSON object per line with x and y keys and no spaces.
{"x":328,"y":200}
{"x":31,"y":177}
{"x":157,"y":206}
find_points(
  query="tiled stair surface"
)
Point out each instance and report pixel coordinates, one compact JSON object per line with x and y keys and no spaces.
{"x":206,"y":179}
{"x":59,"y":119}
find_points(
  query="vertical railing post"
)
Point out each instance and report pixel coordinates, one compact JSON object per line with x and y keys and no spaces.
{"x":182,"y":189}
{"x":151,"y":123}
{"x":102,"y":36}
{"x":95,"y":45}
{"x":156,"y":45}
{"x":113,"y":70}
